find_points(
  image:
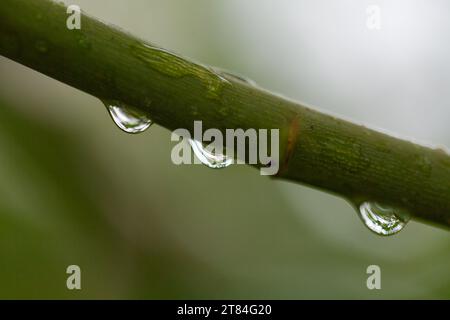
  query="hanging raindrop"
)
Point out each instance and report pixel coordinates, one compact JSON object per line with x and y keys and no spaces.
{"x":215,"y":161}
{"x":383,"y":220}
{"x":127,"y":118}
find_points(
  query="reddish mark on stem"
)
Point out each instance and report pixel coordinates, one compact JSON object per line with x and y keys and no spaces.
{"x":291,"y":141}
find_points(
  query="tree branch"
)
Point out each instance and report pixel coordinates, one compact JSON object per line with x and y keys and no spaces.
{"x":315,"y":149}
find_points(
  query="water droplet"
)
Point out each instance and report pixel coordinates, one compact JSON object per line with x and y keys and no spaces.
{"x":209,"y":159}
{"x":383,"y":220}
{"x":129,"y":119}
{"x":235,"y":76}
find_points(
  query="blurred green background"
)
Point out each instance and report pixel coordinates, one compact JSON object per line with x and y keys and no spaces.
{"x":76,"y":190}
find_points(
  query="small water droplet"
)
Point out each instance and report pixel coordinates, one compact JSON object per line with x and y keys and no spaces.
{"x":235,"y":76}
{"x":383,"y":220}
{"x":209,"y":159}
{"x":129,"y":119}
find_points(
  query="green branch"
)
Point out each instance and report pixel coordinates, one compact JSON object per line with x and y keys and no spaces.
{"x":315,"y":149}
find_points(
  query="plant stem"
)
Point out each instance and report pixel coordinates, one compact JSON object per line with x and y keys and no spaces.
{"x":316,"y":149}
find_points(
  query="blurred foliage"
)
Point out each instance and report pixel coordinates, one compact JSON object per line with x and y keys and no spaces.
{"x":76,"y":190}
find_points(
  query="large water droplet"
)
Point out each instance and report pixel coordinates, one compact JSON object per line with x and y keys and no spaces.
{"x":383,"y":220}
{"x":129,"y":119}
{"x":215,"y":161}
